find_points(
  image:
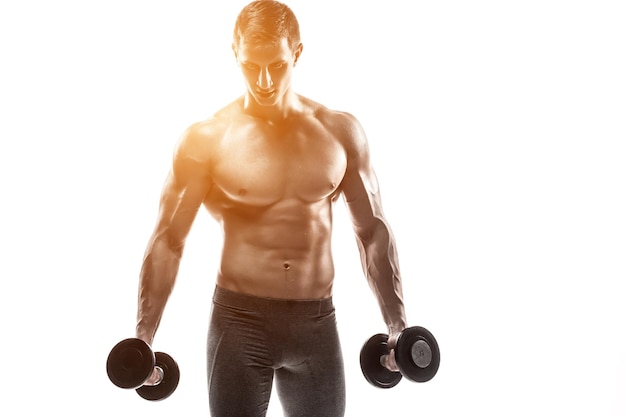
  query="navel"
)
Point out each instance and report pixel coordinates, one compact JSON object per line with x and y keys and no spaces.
{"x":289,"y":277}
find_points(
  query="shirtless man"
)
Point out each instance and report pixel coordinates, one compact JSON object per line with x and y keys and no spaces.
{"x":269,"y":167}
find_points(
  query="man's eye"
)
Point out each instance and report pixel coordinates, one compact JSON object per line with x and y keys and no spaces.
{"x":278,"y":65}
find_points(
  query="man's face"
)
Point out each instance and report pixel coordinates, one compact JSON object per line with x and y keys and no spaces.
{"x":267,"y":69}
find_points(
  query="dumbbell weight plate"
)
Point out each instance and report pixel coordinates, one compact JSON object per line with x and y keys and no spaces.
{"x":373,"y":371}
{"x":417,"y":354}
{"x":130,"y":363}
{"x":171,"y":376}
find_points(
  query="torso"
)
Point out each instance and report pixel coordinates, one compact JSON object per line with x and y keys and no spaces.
{"x":273,"y":188}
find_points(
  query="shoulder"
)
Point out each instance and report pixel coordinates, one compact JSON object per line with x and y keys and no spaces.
{"x":345,"y":127}
{"x":348,"y":131}
{"x":199,"y":140}
{"x":342,"y":124}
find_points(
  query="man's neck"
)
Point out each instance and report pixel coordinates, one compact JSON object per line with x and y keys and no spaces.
{"x":288,"y":105}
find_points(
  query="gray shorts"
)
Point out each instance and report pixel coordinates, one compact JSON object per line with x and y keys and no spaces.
{"x":255,"y":341}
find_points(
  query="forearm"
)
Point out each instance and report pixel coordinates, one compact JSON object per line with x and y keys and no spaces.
{"x":381,"y":266}
{"x":157,"y":278}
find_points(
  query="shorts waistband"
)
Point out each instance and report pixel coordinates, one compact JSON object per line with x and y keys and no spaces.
{"x":229,"y":298}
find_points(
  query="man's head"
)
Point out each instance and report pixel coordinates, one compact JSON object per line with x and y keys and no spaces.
{"x":267,"y":46}
{"x":266,"y":22}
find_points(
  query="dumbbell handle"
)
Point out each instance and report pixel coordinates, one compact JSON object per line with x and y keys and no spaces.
{"x":156,"y":378}
{"x":388,"y":360}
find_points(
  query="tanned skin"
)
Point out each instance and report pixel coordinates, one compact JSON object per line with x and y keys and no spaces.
{"x":269,"y":167}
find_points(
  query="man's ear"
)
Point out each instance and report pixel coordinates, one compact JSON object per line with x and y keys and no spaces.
{"x":234,"y":48}
{"x":297,"y":53}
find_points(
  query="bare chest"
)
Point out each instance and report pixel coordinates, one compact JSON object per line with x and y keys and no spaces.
{"x":261,"y":166}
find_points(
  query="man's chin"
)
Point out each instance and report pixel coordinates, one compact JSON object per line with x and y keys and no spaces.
{"x":265,"y":100}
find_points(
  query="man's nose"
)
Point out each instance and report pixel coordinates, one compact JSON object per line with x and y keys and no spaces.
{"x":265,"y":79}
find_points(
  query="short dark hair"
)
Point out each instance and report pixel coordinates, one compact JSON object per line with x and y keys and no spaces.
{"x":266,"y":22}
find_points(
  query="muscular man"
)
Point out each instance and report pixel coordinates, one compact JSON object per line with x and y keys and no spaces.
{"x":269,"y":167}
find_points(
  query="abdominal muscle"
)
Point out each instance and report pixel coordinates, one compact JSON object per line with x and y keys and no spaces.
{"x":282,"y":251}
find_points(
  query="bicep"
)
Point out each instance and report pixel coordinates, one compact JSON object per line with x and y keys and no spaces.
{"x":185,"y":188}
{"x":360,"y":185}
{"x":177,"y":210}
{"x":363,"y":201}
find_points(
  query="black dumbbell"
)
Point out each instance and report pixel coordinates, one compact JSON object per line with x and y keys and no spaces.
{"x":131,"y":363}
{"x":416,"y":354}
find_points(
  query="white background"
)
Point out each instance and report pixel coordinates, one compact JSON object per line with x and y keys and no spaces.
{"x":497,"y":130}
